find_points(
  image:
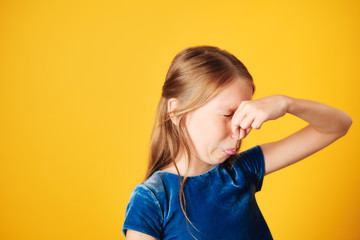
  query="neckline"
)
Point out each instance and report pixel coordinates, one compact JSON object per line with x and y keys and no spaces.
{"x":175,"y":174}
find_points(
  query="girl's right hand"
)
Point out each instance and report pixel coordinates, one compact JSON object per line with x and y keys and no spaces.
{"x":253,"y":113}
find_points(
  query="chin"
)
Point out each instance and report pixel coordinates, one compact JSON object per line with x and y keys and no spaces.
{"x":224,"y":158}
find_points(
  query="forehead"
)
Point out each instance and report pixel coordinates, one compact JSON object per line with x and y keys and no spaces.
{"x":232,"y":95}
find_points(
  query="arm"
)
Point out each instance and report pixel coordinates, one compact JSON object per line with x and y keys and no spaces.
{"x":326,"y":124}
{"x":134,"y":235}
{"x":143,"y":215}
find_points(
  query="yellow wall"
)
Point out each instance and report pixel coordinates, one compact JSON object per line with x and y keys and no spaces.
{"x":80,"y":81}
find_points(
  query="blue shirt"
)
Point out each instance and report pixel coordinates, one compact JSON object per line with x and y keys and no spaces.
{"x":220,"y":203}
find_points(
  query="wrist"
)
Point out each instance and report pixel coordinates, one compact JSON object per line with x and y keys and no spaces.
{"x":289,"y":103}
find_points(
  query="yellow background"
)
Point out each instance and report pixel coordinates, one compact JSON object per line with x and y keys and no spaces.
{"x":80,"y":81}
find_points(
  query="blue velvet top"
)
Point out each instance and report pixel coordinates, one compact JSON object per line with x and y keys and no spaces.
{"x":220,"y":203}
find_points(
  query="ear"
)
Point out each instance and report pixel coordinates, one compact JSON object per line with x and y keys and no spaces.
{"x":171,"y":106}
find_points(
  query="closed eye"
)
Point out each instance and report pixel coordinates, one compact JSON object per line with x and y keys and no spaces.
{"x":228,"y":115}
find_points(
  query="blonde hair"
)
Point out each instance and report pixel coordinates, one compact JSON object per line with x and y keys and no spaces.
{"x":195,"y":76}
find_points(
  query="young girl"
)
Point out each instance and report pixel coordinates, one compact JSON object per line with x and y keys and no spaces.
{"x":197,"y":186}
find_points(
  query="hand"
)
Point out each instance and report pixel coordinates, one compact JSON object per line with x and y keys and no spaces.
{"x":253,"y":113}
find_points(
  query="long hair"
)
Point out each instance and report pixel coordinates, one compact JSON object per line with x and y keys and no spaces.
{"x":196,"y":75}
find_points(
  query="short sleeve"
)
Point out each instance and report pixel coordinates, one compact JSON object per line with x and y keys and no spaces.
{"x":252,"y":164}
{"x":143,"y":213}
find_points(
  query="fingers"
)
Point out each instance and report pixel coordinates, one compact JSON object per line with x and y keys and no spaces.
{"x":241,"y":133}
{"x":257,"y":123}
{"x":239,"y":129}
{"x":243,"y":128}
{"x":245,"y":118}
{"x":235,"y":124}
{"x":247,"y":121}
{"x":236,"y":132}
{"x":247,"y":131}
{"x":239,"y":125}
{"x":237,"y":118}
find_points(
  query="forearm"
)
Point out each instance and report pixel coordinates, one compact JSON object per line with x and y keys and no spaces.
{"x":321,"y":117}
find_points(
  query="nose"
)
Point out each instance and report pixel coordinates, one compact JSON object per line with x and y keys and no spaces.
{"x":237,"y":142}
{"x":229,"y":127}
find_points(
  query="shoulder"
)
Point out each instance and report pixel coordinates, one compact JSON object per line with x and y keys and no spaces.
{"x":141,"y":191}
{"x":252,"y":165}
{"x":250,"y":156}
{"x":154,"y":189}
{"x":255,"y":151}
{"x":144,"y":213}
{"x":156,"y":184}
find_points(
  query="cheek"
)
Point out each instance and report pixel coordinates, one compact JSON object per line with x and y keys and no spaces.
{"x":200,"y":130}
{"x":207,"y":133}
{"x":200,"y":133}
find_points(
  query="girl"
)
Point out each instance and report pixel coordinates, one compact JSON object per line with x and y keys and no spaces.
{"x":197,"y":186}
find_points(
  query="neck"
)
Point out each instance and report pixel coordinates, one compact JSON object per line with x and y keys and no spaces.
{"x":196,"y":166}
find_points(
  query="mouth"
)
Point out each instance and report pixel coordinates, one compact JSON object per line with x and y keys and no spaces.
{"x":230,"y":151}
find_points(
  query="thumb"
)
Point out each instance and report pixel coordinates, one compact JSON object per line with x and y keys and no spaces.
{"x":247,"y":131}
{"x":236,"y":130}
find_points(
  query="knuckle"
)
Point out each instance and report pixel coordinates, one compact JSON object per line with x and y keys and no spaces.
{"x":244,"y":105}
{"x":263,"y":113}
{"x":243,"y":125}
{"x":243,"y":102}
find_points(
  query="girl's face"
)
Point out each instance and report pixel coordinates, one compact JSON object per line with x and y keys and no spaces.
{"x":209,"y":127}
